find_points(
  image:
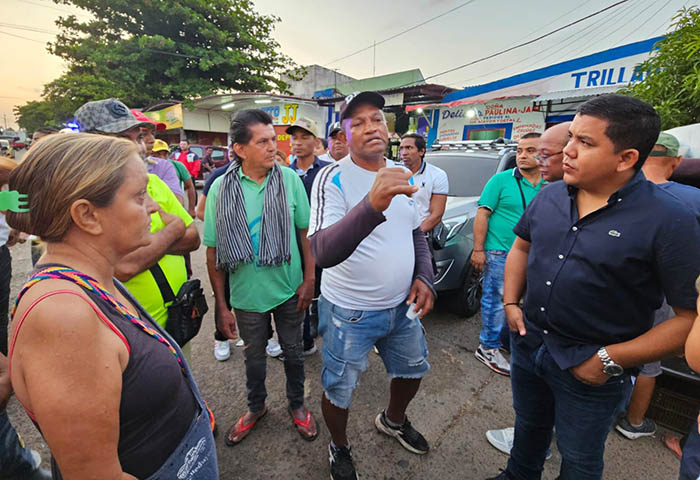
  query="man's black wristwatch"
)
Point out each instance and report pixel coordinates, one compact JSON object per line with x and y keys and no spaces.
{"x":609,"y":367}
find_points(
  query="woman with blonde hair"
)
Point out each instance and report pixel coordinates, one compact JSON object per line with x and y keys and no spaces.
{"x":109,"y":390}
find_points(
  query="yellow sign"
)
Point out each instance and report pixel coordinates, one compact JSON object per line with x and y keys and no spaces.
{"x":170,"y":116}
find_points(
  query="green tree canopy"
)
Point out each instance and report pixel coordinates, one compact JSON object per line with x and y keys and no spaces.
{"x":145,"y":51}
{"x":673,"y":84}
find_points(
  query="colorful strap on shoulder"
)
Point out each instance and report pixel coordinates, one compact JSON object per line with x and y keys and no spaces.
{"x":89,"y":283}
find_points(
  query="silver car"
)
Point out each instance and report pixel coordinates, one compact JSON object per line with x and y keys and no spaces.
{"x":469,"y":165}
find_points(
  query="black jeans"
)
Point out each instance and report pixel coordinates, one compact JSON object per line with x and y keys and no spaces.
{"x":5,"y":276}
{"x":253,"y":328}
{"x":218,"y":336}
{"x":311,"y":315}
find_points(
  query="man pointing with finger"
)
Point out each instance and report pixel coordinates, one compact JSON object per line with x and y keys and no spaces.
{"x":365,"y":234}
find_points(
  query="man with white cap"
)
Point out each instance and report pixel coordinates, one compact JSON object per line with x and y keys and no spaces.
{"x":377,"y":279}
{"x":304,"y":137}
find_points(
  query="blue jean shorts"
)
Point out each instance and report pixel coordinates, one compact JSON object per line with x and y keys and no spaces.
{"x":349,"y":335}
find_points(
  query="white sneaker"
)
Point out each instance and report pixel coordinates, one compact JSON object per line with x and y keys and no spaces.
{"x":240,"y":343}
{"x":502,"y":440}
{"x":222,"y":350}
{"x":273,"y":348}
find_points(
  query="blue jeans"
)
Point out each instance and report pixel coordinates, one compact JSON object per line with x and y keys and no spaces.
{"x":544,"y":397}
{"x":493,"y":319}
{"x":15,"y":459}
{"x":349,"y":335}
{"x":690,"y":462}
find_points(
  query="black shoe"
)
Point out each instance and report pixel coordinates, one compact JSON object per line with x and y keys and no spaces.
{"x":408,"y":437}
{"x":342,"y":467}
{"x":501,"y":476}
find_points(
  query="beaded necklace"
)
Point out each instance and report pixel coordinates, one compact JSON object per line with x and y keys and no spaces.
{"x":89,"y":283}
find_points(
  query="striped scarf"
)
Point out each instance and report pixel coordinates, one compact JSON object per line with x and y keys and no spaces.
{"x":233,"y":244}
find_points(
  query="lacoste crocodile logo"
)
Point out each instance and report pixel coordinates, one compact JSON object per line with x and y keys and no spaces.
{"x":614,"y":233}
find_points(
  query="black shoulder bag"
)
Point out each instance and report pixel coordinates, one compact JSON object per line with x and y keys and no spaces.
{"x":522,"y":195}
{"x":187,"y":309}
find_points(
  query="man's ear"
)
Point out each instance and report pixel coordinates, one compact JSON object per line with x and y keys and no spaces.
{"x":675,"y":162}
{"x":628,"y":159}
{"x":239,"y":150}
{"x":86,"y":217}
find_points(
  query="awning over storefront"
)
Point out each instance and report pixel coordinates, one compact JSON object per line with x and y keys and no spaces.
{"x":578,"y":93}
{"x":456,"y":103}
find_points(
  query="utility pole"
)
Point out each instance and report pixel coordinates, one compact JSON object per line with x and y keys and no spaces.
{"x":374,"y":59}
{"x":4,"y":116}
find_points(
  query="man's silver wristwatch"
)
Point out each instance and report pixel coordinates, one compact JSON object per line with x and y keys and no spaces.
{"x":609,"y":367}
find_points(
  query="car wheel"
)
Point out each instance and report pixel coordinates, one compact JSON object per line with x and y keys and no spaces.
{"x":467,"y":300}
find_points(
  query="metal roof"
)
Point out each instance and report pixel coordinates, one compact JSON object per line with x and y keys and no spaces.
{"x":578,"y":93}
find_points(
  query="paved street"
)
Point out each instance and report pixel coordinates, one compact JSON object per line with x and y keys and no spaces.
{"x":459,"y":400}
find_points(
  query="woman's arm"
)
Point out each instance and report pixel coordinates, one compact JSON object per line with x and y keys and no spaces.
{"x":68,"y":368}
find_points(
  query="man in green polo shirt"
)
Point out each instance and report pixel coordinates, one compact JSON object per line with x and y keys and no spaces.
{"x":251,"y":219}
{"x":501,"y":204}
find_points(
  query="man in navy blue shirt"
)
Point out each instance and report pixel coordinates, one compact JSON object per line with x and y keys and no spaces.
{"x":658,"y":168}
{"x":598,"y":253}
{"x":304,"y":138}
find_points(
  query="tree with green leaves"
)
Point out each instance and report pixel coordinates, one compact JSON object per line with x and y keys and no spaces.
{"x":673,"y":83}
{"x":146,"y":51}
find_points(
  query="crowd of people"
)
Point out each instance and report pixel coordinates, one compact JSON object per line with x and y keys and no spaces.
{"x":589,"y":255}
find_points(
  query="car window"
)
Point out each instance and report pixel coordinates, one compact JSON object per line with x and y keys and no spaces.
{"x":467,"y":174}
{"x":198,"y":151}
{"x":217,"y":155}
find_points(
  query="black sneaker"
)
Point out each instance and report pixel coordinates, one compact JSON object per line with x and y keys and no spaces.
{"x":501,"y":476}
{"x":342,"y":467}
{"x":646,"y":429}
{"x":408,"y":437}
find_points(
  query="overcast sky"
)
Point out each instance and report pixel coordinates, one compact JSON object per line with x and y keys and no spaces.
{"x":314,"y":32}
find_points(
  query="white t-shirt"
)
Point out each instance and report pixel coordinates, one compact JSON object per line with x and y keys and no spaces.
{"x":431,"y":180}
{"x":326,"y":157}
{"x":379,"y":273}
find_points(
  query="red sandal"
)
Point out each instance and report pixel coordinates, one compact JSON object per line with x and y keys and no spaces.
{"x":242,"y":429}
{"x":306,"y":427}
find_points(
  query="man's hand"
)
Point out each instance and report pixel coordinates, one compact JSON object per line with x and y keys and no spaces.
{"x":169,"y":218}
{"x":306,"y":294}
{"x":226,"y":322}
{"x":191,"y":212}
{"x":389,"y":183}
{"x":478,"y":260}
{"x":514,"y":317}
{"x":590,"y":372}
{"x":5,"y":385}
{"x":422,"y":295}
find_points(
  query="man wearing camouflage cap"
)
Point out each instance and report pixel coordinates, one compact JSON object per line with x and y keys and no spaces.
{"x":173,"y":232}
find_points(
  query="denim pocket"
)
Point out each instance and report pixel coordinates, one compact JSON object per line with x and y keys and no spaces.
{"x":346,"y":315}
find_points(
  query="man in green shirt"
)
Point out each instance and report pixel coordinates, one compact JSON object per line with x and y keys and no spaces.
{"x":501,"y":204}
{"x":251,"y":219}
